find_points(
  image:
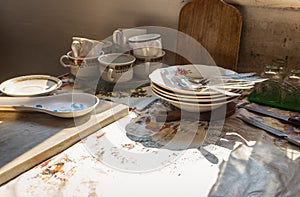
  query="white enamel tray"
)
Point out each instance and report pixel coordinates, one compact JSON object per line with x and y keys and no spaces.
{"x":67,"y":105}
{"x":30,"y":85}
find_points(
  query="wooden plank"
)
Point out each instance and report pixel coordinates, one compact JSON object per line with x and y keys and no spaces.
{"x":42,"y":136}
{"x":267,"y":3}
{"x":217,"y":26}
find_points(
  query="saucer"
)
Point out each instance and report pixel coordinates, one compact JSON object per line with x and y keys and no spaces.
{"x":30,"y":85}
{"x":151,"y":58}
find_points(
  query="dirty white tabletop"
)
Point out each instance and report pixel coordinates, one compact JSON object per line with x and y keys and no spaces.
{"x":235,"y":160}
{"x":102,"y":163}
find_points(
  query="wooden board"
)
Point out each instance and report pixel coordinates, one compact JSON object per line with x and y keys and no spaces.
{"x":292,"y":4}
{"x":216,"y":25}
{"x":27,"y":139}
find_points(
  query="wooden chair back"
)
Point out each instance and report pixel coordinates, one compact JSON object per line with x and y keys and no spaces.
{"x":217,"y":26}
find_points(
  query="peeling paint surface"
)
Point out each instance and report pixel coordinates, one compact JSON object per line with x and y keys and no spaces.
{"x":78,"y":172}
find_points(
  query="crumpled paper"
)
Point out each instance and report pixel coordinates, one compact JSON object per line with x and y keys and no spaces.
{"x":262,"y":170}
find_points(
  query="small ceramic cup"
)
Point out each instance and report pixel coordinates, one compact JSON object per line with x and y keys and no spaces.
{"x":146,"y":45}
{"x":121,"y":36}
{"x":81,"y":67}
{"x":116,"y":67}
{"x":146,"y":65}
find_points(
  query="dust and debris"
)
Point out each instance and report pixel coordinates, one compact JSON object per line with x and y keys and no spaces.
{"x":100,"y":154}
{"x":101,"y":135}
{"x":51,"y":170}
{"x":45,"y":163}
{"x":128,"y":146}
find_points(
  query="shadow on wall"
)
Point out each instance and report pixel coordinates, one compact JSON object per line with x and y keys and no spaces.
{"x":35,"y":34}
{"x":269,"y":34}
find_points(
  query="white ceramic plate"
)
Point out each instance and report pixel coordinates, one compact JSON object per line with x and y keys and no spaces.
{"x":193,"y":99}
{"x":189,"y":96}
{"x":30,"y":85}
{"x":192,"y":107}
{"x":163,"y":77}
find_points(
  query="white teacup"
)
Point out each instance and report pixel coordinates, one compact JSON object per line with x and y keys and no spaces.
{"x":81,"y":67}
{"x":146,"y":45}
{"x":84,"y":47}
{"x":104,"y":45}
{"x":116,"y":67}
{"x":121,"y":36}
{"x":146,"y":65}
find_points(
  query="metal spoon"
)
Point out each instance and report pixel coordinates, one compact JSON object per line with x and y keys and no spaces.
{"x":76,"y":48}
{"x":66,"y":105}
{"x":183,"y":83}
{"x":204,"y":82}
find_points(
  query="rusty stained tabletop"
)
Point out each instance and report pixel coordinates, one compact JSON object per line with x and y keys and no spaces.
{"x":234,"y":159}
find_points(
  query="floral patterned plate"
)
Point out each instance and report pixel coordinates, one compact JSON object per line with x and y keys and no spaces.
{"x":164,"y":77}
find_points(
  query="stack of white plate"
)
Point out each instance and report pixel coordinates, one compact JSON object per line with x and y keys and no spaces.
{"x":195,"y":100}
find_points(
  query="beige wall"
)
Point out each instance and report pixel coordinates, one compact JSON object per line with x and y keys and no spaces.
{"x":34,"y":33}
{"x":269,"y":33}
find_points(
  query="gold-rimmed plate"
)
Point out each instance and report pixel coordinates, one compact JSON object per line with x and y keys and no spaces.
{"x":30,"y":85}
{"x":196,"y":99}
{"x":190,"y":96}
{"x":192,"y":106}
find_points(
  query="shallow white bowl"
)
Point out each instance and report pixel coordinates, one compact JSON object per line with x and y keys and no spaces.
{"x":192,"y":106}
{"x":194,"y":99}
{"x":189,"y":96}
